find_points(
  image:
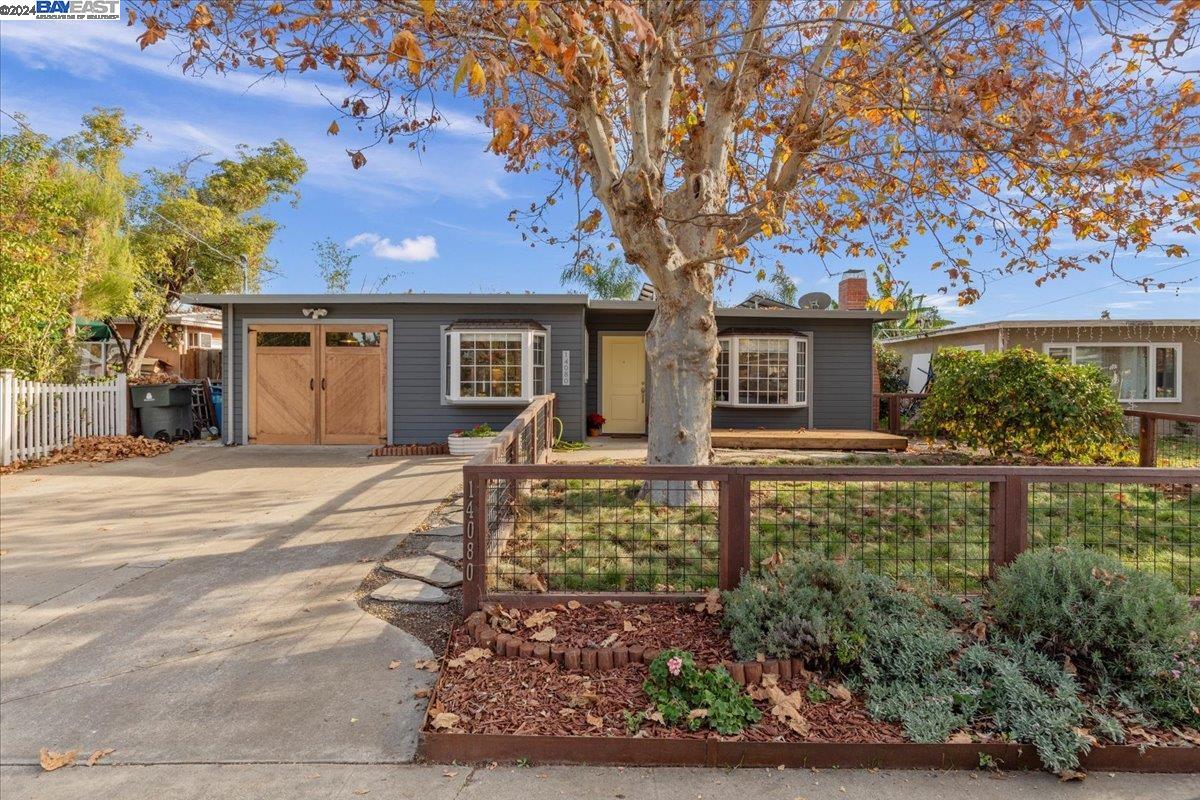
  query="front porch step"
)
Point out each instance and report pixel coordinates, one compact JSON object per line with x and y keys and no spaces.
{"x":454,"y":531}
{"x":407,"y":590}
{"x":451,"y":551}
{"x":428,"y":569}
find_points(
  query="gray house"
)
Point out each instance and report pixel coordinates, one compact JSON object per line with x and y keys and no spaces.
{"x":407,"y":368}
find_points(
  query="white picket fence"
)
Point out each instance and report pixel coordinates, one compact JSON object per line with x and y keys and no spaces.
{"x":39,"y":418}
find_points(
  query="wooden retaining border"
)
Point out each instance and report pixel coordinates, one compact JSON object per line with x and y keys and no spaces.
{"x":469,"y":748}
{"x":602,"y":659}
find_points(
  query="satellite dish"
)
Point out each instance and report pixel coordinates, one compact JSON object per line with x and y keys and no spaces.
{"x":815,"y":300}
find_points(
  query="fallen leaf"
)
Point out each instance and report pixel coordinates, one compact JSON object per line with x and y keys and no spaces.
{"x":99,"y":754}
{"x":628,"y":626}
{"x":711,"y":604}
{"x":980,"y":631}
{"x":1069,"y":666}
{"x":613,"y":603}
{"x":961,"y":737}
{"x":697,"y":713}
{"x":839,"y":691}
{"x":444,"y":720}
{"x":594,"y":721}
{"x":573,"y":604}
{"x":655,"y":716}
{"x":422,"y":693}
{"x":362,"y":791}
{"x":449,"y":774}
{"x":787,"y":707}
{"x":539,"y":618}
{"x":1071,"y":775}
{"x":469,"y":657}
{"x":544,"y":635}
{"x":427,"y":664}
{"x":612,"y":637}
{"x":52,"y":760}
{"x":532,"y":581}
{"x":394,"y":664}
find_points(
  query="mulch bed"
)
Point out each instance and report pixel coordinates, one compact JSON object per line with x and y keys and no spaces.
{"x":652,"y":625}
{"x":528,"y":697}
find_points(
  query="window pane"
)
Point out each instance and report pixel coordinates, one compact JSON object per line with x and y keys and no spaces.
{"x":1164,"y":372}
{"x":282,"y":338}
{"x":801,"y":370}
{"x":1127,"y":367}
{"x":352,"y":338}
{"x":763,"y":371}
{"x":721,"y":383}
{"x":490,"y":364}
{"x":539,"y":364}
{"x":1059,"y":353}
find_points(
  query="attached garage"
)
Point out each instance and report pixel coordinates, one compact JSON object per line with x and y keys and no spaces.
{"x":322,"y":383}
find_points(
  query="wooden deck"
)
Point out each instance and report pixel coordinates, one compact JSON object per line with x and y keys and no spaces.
{"x":825,"y":439}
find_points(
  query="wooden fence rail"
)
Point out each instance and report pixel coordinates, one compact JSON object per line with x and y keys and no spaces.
{"x":495,"y":495}
{"x":39,"y":418}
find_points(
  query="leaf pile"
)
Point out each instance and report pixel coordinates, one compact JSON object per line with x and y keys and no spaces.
{"x":95,"y":450}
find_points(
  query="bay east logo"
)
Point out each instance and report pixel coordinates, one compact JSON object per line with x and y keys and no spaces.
{"x":61,"y":10}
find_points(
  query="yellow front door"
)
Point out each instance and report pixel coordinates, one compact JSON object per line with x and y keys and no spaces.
{"x":623,"y":384}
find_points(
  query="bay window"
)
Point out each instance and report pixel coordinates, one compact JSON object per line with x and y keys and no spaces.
{"x":493,"y":364}
{"x":1137,"y":372}
{"x":762,"y":370}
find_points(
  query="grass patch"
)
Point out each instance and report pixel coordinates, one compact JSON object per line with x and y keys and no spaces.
{"x":601,"y":535}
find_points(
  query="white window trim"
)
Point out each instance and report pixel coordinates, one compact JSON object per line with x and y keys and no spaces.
{"x":451,"y":395}
{"x":1152,"y":346}
{"x":793,"y":343}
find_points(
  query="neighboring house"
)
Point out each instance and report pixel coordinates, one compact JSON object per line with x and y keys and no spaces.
{"x":187,"y":345}
{"x":408,"y":368}
{"x":1154,"y":364}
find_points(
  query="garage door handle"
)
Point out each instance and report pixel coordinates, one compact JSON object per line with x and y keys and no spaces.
{"x":311,"y":385}
{"x":322,"y":384}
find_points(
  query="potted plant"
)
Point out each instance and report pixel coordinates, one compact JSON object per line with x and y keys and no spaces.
{"x":594,"y":423}
{"x":470,"y":442}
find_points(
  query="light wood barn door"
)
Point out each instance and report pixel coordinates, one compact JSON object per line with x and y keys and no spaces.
{"x":283,"y":384}
{"x":353,"y":384}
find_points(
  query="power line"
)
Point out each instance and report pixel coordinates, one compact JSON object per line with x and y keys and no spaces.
{"x":1102,"y":288}
{"x":172,"y":223}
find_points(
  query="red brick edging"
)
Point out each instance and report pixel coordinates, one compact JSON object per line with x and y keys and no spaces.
{"x":431,"y":449}
{"x":600,"y":659}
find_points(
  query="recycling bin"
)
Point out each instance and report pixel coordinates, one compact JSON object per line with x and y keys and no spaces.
{"x":218,"y":401}
{"x":165,"y":410}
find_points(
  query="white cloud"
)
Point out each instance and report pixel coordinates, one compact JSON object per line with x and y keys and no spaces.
{"x":418,"y":248}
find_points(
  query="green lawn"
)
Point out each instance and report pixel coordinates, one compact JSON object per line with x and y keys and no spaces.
{"x":1178,"y":451}
{"x":599,"y":535}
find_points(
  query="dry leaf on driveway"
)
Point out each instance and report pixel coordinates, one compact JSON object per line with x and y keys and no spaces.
{"x":427,"y":664}
{"x":546,"y":634}
{"x":469,"y":657}
{"x":99,"y":754}
{"x":394,"y":664}
{"x":51,"y":760}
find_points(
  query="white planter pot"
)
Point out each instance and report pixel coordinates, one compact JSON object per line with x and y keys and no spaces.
{"x":469,"y":445}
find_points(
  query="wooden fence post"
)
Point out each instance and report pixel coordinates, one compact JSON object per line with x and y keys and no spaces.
{"x":894,"y":415}
{"x":120,"y":399}
{"x":733,"y":531}
{"x":1147,"y":441}
{"x":8,"y":415}
{"x":1008,"y":513}
{"x":474,"y":540}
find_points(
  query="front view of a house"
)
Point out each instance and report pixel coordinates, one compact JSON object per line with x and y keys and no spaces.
{"x":368,"y":369}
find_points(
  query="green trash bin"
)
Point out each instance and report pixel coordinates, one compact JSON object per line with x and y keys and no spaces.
{"x":165,"y":410}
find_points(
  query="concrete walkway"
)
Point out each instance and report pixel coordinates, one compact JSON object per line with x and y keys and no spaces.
{"x":342,"y":782}
{"x":198,"y":607}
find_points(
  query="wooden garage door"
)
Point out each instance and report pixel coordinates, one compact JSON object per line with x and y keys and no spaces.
{"x":283,"y":384}
{"x":353,"y":391}
{"x":318,"y":384}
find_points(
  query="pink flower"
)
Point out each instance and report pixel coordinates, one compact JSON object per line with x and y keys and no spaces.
{"x":675,"y":665}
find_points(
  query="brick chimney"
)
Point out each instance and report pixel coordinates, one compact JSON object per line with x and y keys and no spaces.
{"x":852,"y":290}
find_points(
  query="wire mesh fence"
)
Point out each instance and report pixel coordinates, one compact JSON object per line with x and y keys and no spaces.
{"x":1151,"y":527}
{"x":938,"y":529}
{"x":591,"y":529}
{"x":1177,"y":443}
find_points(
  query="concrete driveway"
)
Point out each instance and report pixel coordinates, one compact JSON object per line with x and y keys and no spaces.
{"x":198,"y":607}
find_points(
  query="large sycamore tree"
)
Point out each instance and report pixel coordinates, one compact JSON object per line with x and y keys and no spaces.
{"x":707,"y":136}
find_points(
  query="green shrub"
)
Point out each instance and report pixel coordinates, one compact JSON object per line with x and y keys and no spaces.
{"x":480,"y":431}
{"x":806,"y":608}
{"x":1019,"y":401}
{"x":891,"y":371}
{"x":683,"y":694}
{"x":1131,"y":633}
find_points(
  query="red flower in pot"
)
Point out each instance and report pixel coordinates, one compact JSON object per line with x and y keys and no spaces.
{"x":594,"y":423}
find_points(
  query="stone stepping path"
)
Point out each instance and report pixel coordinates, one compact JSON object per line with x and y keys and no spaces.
{"x":451,"y":551}
{"x":428,"y":569}
{"x":448,"y":531}
{"x":407,"y":590}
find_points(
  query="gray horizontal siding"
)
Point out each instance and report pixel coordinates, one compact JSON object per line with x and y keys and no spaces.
{"x":841,"y":371}
{"x":418,"y":414}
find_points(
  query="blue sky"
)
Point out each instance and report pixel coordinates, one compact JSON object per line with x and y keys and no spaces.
{"x":437,"y":220}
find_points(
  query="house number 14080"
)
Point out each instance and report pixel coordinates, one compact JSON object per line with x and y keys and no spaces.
{"x":566,"y":362}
